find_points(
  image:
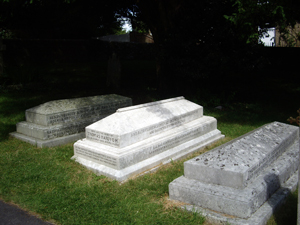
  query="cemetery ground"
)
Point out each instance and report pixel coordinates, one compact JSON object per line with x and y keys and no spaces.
{"x":47,"y":183}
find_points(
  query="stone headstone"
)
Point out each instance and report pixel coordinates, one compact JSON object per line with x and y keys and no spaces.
{"x":62,"y":121}
{"x":139,"y":138}
{"x":246,"y":178}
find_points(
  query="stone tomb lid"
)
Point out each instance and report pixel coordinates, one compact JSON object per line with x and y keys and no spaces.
{"x":235,"y":163}
{"x":133,"y":124}
{"x":63,"y":105}
{"x":66,"y":110}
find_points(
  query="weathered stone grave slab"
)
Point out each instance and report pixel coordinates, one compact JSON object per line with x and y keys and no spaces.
{"x":298,"y":208}
{"x":58,"y":122}
{"x":138,"y":138}
{"x":239,"y":177}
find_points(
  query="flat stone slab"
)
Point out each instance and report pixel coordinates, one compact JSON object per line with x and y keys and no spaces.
{"x":236,"y":163}
{"x":138,"y":138}
{"x":48,"y":143}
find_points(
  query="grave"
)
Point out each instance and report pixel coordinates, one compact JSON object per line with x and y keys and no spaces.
{"x":62,"y":121}
{"x":140,"y":138}
{"x":244,"y":180}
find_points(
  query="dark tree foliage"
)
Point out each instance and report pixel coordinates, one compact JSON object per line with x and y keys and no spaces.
{"x":209,"y":38}
{"x":249,"y":15}
{"x":58,"y":19}
{"x":131,"y":12}
{"x":193,"y":38}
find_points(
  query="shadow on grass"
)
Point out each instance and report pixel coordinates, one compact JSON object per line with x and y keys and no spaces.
{"x":5,"y":129}
{"x":287,"y":213}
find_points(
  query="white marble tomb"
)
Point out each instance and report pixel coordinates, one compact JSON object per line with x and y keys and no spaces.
{"x":139,"y":138}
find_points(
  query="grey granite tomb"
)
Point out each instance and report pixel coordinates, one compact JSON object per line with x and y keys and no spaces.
{"x":139,"y":138}
{"x":61,"y":121}
{"x":246,"y":178}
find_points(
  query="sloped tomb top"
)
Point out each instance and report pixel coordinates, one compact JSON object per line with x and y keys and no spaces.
{"x":132,"y":124}
{"x":58,"y":106}
{"x":66,"y":110}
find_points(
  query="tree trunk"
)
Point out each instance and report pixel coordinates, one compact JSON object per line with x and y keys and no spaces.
{"x":1,"y":57}
{"x":159,"y":16}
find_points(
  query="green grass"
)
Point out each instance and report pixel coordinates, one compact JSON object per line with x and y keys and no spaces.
{"x":47,"y":182}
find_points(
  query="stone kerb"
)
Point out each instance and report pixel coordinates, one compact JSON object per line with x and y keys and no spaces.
{"x":239,"y":177}
{"x":138,"y":138}
{"x":62,"y":121}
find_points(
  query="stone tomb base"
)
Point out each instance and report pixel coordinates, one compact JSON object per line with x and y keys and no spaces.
{"x":139,"y":138}
{"x":246,"y":179}
{"x":62,"y":121}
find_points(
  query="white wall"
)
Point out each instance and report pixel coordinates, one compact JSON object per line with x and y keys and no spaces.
{"x":269,"y":38}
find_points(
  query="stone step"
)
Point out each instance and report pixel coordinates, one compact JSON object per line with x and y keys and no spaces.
{"x":149,"y":164}
{"x":59,"y":130}
{"x":236,"y":163}
{"x":50,"y":142}
{"x":260,"y":217}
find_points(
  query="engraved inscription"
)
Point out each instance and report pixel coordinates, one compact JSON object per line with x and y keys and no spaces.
{"x":156,"y":148}
{"x":96,"y":156}
{"x":59,"y":118}
{"x":103,"y":137}
{"x":86,"y":112}
{"x":164,"y":145}
{"x":114,"y":140}
{"x":168,"y":124}
{"x":161,"y":146}
{"x":60,"y":132}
